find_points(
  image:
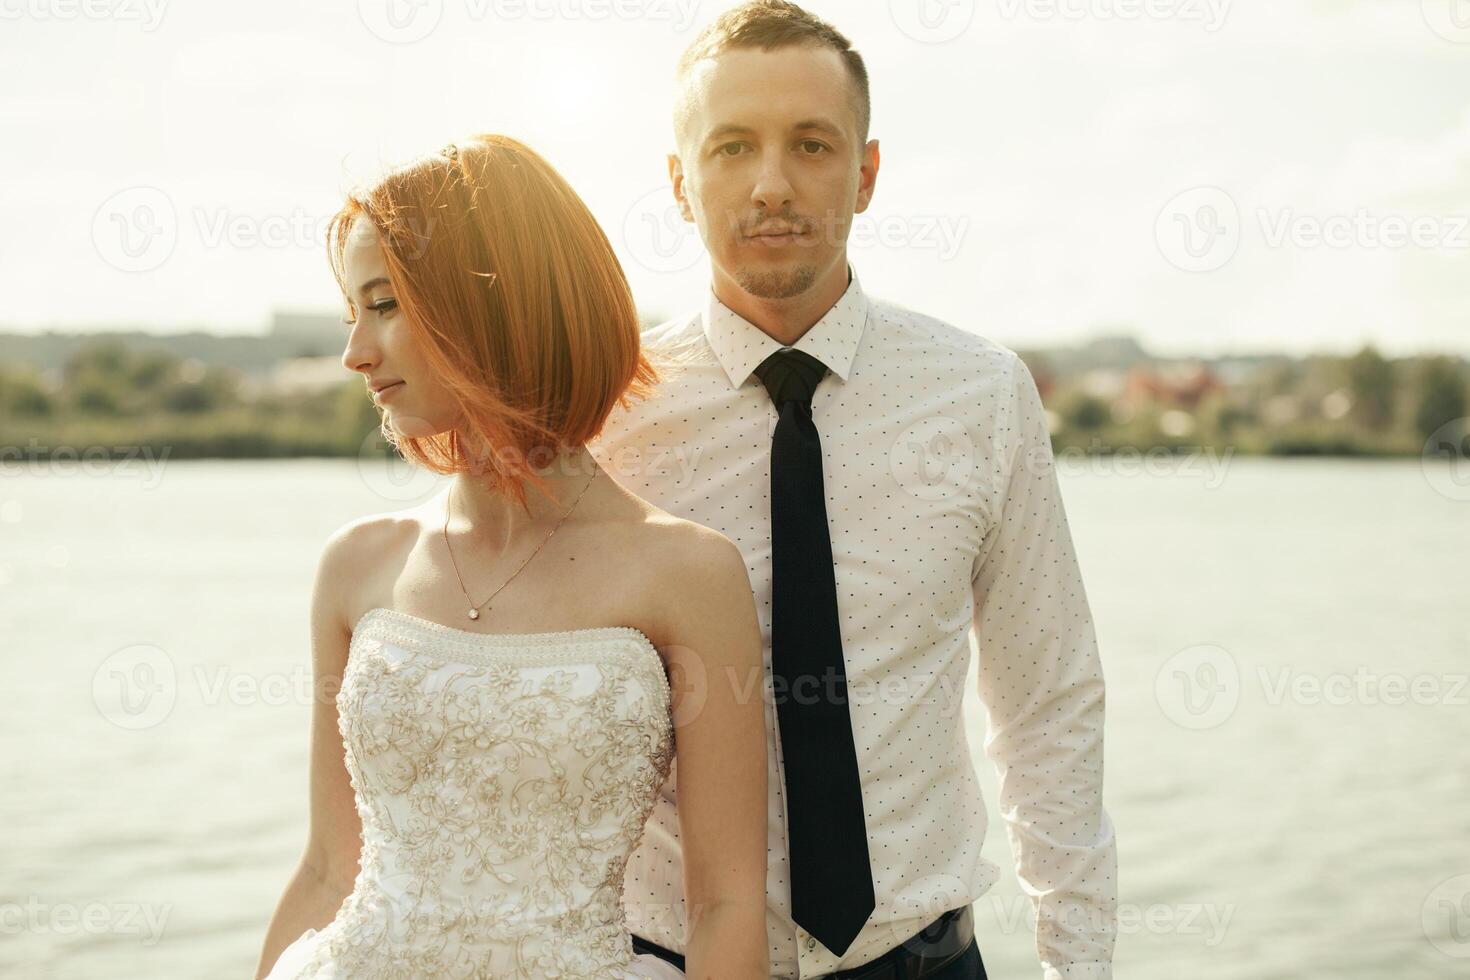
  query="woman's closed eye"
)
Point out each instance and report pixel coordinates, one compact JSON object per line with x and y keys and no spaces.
{"x":381,"y":307}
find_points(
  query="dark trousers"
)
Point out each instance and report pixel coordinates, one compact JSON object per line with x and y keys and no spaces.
{"x":968,"y":966}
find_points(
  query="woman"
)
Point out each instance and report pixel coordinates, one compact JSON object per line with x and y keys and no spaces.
{"x":503,"y":718}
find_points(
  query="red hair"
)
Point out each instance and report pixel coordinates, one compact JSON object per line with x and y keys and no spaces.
{"x":514,"y":295}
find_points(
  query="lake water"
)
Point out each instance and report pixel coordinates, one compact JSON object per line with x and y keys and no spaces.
{"x":1285,"y":642}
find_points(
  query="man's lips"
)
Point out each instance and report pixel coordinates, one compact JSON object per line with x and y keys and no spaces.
{"x":777,"y":236}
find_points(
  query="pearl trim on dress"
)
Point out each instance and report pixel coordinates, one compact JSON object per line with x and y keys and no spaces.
{"x":547,"y":648}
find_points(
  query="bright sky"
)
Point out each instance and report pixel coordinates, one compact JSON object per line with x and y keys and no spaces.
{"x":1210,"y":175}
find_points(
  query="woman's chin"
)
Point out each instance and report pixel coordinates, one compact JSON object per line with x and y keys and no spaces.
{"x":408,"y":425}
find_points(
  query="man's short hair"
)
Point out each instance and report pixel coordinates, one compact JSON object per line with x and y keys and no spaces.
{"x":771,"y":24}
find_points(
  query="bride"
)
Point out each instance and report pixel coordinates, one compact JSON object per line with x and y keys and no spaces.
{"x":493,"y":717}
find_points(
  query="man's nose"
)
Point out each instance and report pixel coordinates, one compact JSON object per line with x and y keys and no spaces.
{"x":772,"y":190}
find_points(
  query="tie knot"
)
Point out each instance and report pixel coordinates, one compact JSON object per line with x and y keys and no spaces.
{"x":790,"y":375}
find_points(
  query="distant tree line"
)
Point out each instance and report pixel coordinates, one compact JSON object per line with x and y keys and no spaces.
{"x":110,"y":393}
{"x":1362,"y":404}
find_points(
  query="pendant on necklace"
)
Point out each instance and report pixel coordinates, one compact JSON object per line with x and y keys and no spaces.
{"x":474,"y":614}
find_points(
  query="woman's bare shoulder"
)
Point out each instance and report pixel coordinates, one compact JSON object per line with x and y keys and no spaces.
{"x":375,"y":535}
{"x":684,"y":560}
{"x":678,"y":544}
{"x":361,"y":549}
{"x":702,"y":605}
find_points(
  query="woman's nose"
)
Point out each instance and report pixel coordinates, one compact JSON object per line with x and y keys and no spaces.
{"x":358,"y":354}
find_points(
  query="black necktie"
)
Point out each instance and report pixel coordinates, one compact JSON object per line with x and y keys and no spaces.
{"x":831,"y":882}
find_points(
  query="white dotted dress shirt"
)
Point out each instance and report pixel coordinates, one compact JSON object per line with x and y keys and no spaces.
{"x":944,"y":514}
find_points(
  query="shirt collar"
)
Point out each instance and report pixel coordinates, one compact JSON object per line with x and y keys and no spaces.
{"x":741,"y":346}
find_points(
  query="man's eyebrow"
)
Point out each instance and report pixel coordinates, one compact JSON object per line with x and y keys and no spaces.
{"x":820,"y":125}
{"x":806,"y":125}
{"x":728,"y":129}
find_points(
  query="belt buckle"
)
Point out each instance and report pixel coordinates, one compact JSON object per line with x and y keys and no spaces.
{"x":937,"y":944}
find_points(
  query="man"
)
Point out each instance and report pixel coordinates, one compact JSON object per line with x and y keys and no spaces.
{"x":888,"y":478}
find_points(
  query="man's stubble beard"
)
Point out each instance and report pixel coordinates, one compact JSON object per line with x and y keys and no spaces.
{"x":782,"y":284}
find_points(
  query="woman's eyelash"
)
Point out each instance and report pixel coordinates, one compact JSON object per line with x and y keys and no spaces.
{"x":378,"y":307}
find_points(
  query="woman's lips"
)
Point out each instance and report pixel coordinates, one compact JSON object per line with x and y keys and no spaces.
{"x":385,"y":393}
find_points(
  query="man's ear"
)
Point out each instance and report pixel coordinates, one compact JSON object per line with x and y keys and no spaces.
{"x":867,"y":176}
{"x":676,"y":178}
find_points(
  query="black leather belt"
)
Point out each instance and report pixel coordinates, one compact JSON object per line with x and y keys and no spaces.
{"x":939,"y":943}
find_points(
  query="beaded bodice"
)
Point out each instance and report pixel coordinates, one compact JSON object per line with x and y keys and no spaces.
{"x":502,"y":782}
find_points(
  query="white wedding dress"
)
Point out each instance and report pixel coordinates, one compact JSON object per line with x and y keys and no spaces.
{"x":502,"y":781}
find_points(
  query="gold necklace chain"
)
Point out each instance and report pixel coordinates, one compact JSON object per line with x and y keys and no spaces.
{"x":474,"y":612}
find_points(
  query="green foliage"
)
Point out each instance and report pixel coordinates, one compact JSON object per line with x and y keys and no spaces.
{"x":23,"y":395}
{"x":1442,"y":395}
{"x":110,"y":394}
{"x":1086,"y":412}
{"x":1361,"y":405}
{"x":1371,"y":379}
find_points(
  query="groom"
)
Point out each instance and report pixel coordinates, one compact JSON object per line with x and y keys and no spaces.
{"x":889,"y":480}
